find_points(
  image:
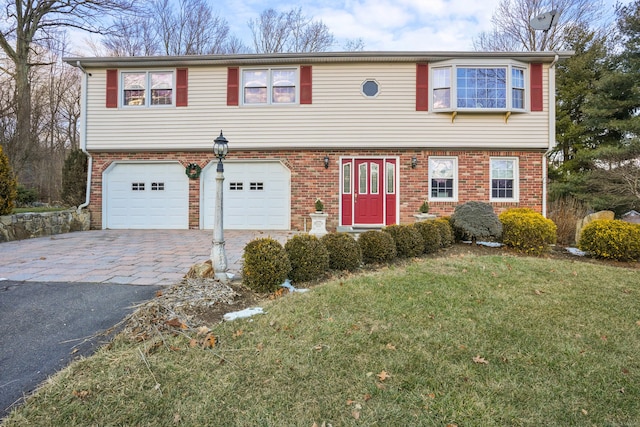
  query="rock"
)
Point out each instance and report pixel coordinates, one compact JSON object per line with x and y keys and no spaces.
{"x":203,"y":270}
{"x":590,"y":218}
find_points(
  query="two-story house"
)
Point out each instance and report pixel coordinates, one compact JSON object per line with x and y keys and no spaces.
{"x":372,"y":134}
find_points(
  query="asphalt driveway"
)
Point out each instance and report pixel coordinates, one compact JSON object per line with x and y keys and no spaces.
{"x":59,"y":294}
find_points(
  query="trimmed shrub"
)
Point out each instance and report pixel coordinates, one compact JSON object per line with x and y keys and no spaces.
{"x":266,"y":265}
{"x":74,"y":178}
{"x":308,"y":256}
{"x":611,"y":239}
{"x":446,"y":232}
{"x":527,"y":231}
{"x":344,"y":251}
{"x":430,"y":232}
{"x":7,"y":186}
{"x":26,"y":196}
{"x":476,"y":220}
{"x":377,"y":247}
{"x":408,"y":240}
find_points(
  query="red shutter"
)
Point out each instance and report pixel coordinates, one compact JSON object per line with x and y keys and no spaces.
{"x":536,"y":87}
{"x":182,"y":87}
{"x":112,"y":88}
{"x":233,"y":85}
{"x":422,"y":87}
{"x":305,"y":84}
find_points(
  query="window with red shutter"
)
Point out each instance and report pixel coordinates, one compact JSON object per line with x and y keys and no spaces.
{"x":233,"y":85}
{"x":422,"y":87}
{"x":182,"y":89}
{"x":112,"y":89}
{"x":305,"y":84}
{"x":536,"y":87}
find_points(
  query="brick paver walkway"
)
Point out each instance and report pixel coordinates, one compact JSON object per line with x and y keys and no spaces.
{"x":139,"y":257}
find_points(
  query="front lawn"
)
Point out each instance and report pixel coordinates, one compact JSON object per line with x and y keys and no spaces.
{"x":465,"y":340}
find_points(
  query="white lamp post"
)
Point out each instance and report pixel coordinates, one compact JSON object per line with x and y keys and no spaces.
{"x":218,"y":255}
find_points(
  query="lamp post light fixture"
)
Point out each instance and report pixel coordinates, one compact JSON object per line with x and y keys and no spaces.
{"x":218,"y":254}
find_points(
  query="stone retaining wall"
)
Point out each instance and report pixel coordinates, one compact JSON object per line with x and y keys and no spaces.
{"x":29,"y":225}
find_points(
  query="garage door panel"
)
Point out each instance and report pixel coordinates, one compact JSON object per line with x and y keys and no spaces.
{"x":256,"y":196}
{"x":146,"y":195}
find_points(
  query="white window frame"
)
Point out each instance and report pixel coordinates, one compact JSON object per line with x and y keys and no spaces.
{"x":147,"y":88}
{"x":516,"y":179}
{"x":270,"y":86}
{"x":432,"y":169}
{"x":452,"y":86}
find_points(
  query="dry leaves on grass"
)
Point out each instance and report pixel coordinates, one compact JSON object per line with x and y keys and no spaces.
{"x":480,"y":360}
{"x":172,"y":310}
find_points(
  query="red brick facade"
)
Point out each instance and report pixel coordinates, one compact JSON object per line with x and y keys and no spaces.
{"x":310,"y":179}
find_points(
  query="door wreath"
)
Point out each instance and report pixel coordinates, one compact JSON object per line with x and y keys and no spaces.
{"x":193,"y":170}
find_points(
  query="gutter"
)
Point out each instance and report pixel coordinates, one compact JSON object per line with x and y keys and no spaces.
{"x":83,"y":133}
{"x":552,"y":132}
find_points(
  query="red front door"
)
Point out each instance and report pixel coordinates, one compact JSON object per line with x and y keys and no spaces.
{"x":368,"y":198}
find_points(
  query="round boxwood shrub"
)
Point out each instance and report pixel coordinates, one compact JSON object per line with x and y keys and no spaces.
{"x":611,"y":239}
{"x":344,"y":251}
{"x":377,"y":247}
{"x":308,"y":256}
{"x":430,"y":233}
{"x":476,"y":220}
{"x":527,"y":231}
{"x":265,"y":266}
{"x":446,"y":232}
{"x":408,"y":240}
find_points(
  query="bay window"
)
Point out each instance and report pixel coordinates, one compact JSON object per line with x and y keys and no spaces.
{"x":478,"y":88}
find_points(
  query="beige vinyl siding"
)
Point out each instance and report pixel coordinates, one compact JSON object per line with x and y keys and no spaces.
{"x":340,"y":116}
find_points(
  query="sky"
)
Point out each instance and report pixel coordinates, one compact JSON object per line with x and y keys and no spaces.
{"x":383,"y":25}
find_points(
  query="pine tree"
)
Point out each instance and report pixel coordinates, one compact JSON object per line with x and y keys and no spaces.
{"x":8,"y":185}
{"x":74,"y":178}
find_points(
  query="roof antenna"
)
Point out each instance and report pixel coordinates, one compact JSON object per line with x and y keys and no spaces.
{"x":545,"y":21}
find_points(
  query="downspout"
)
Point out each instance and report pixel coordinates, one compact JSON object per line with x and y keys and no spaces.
{"x":83,"y":133}
{"x":552,"y":132}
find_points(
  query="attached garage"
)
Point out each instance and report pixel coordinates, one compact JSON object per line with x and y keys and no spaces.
{"x":256,"y":196}
{"x":149,"y":195}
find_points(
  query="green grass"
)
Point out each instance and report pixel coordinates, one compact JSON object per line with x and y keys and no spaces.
{"x":562,"y":342}
{"x":39,"y":209}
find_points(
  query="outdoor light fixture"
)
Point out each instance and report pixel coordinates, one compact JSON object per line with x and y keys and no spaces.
{"x":326,"y":162}
{"x":218,"y":254}
{"x":414,"y":162}
{"x":220,"y":149}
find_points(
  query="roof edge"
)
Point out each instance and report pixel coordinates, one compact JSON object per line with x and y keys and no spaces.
{"x":319,"y":57}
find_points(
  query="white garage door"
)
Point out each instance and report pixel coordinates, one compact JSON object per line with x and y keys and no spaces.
{"x":256,"y":196}
{"x":146,"y":195}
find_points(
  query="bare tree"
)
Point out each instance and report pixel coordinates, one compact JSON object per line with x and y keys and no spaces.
{"x":132,"y":36}
{"x":185,"y":27}
{"x":24,"y":26}
{"x":512,"y":31}
{"x":353,"y":45}
{"x":289,"y":31}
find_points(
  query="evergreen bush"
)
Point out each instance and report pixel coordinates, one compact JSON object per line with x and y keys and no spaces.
{"x":74,"y":178}
{"x":377,"y":247}
{"x":611,"y":239}
{"x":308,"y":256}
{"x":344,"y":251}
{"x":408,"y":240}
{"x":446,"y":232}
{"x":26,"y":196}
{"x":8,"y":185}
{"x":527,"y":231}
{"x":265,"y":265}
{"x":476,"y":220}
{"x":430,"y":232}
